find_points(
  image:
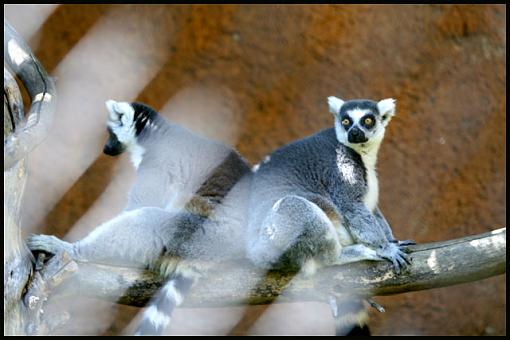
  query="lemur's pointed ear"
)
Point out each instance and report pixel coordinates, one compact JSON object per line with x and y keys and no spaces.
{"x":120,"y":111}
{"x":335,"y":104}
{"x":386,"y":108}
{"x":110,"y":106}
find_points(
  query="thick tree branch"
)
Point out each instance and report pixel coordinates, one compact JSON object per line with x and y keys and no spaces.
{"x":434,"y":265}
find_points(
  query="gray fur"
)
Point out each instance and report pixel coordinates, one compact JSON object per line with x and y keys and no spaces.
{"x":178,"y":164}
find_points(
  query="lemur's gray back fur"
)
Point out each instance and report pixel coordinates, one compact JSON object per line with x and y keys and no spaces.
{"x":306,"y":169}
{"x":177,"y":165}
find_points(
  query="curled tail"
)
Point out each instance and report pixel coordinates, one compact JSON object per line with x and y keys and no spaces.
{"x":350,"y":316}
{"x":157,"y":316}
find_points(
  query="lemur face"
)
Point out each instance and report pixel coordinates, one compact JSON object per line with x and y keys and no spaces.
{"x":361,"y":123}
{"x":125,"y":123}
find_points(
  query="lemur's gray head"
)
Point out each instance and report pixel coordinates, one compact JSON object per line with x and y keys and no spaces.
{"x":126,"y":121}
{"x":360,"y":124}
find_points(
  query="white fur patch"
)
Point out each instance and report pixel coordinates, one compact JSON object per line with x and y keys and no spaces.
{"x":112,"y":115}
{"x":125,"y":134}
{"x":124,"y":110}
{"x":157,"y":318}
{"x":386,"y":108}
{"x":335,"y":104}
{"x":137,"y":152}
{"x":346,"y":167}
{"x":127,"y":110}
{"x":120,"y":121}
{"x":341,"y":134}
{"x":372,"y":195}
{"x":356,"y":114}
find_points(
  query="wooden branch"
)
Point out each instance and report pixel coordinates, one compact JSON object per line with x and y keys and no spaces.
{"x":434,"y":265}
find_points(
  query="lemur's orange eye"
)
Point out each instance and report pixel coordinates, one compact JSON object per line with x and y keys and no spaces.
{"x":368,"y":121}
{"x":345,"y":122}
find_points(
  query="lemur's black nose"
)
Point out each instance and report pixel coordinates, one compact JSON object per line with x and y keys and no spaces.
{"x":113,"y":146}
{"x":356,"y":136}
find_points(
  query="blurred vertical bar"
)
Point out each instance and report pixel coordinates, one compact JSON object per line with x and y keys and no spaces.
{"x":20,"y":137}
{"x":41,"y":89}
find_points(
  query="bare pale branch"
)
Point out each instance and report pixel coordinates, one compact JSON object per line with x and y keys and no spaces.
{"x":434,"y":265}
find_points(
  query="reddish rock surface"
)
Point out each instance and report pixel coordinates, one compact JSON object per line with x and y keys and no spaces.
{"x":269,"y":69}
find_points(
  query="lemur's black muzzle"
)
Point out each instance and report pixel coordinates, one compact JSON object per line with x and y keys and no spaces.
{"x":355,"y":135}
{"x":113,"y":146}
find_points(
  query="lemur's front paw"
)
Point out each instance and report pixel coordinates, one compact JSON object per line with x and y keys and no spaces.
{"x":395,"y":254}
{"x":49,"y":244}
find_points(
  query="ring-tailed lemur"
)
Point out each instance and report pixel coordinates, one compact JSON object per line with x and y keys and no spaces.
{"x":314,"y":201}
{"x":186,"y":203}
{"x":193,"y":173}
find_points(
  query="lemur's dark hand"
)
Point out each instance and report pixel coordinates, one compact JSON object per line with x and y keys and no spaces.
{"x":395,"y":254}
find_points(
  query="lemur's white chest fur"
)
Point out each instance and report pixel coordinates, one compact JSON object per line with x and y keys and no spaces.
{"x":372,"y":195}
{"x":346,"y":167}
{"x":136,"y":152}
